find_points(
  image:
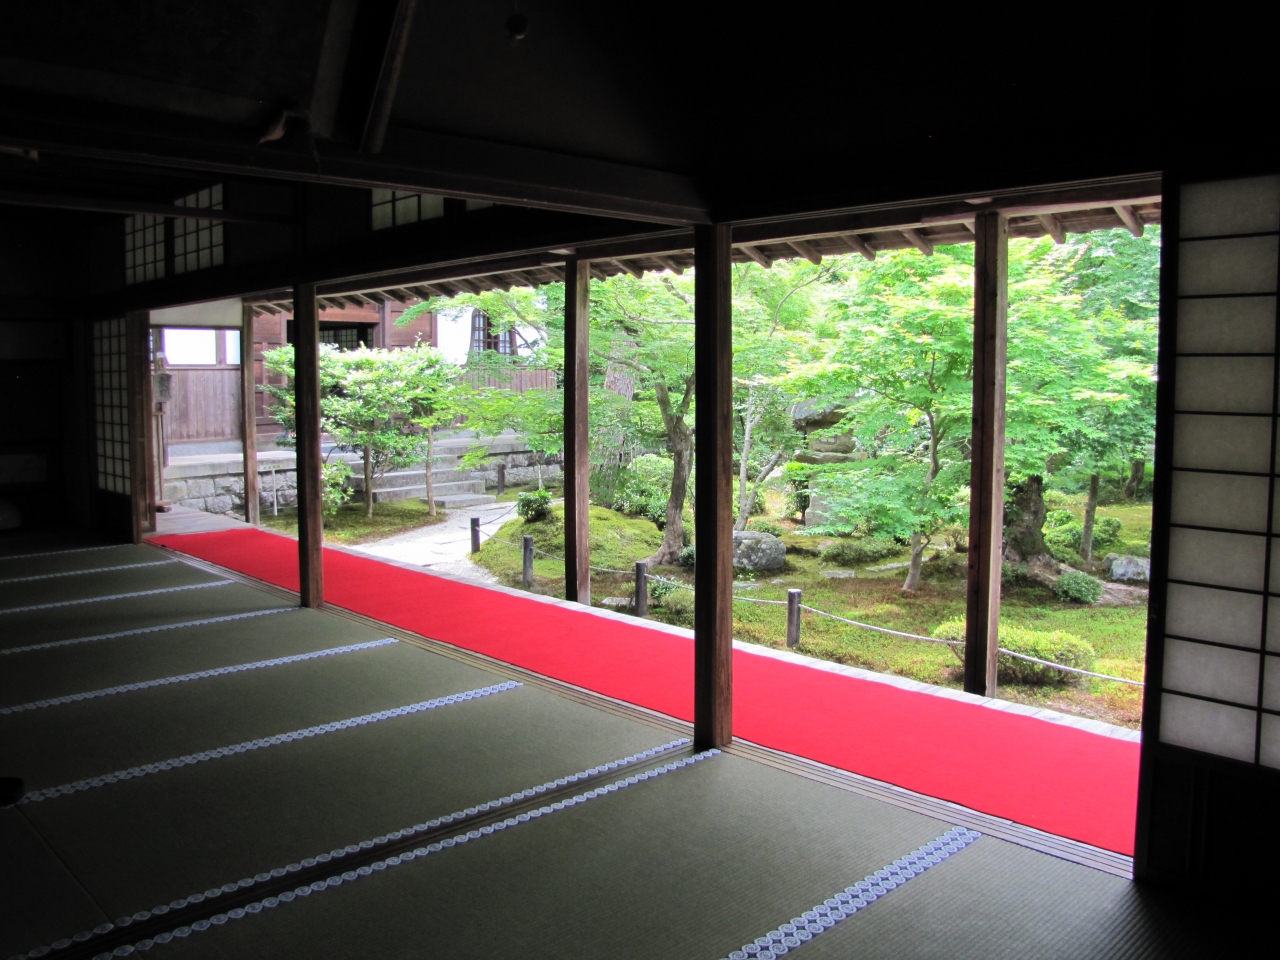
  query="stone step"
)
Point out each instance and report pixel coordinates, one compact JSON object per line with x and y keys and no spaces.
{"x":458,"y":488}
{"x":458,"y":501}
{"x":410,"y":478}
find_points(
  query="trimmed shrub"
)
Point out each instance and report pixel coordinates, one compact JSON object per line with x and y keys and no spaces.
{"x":688,"y":556}
{"x":533,"y":505}
{"x":853,"y":553}
{"x":1076,"y":587}
{"x":766,"y":526}
{"x":1055,"y":646}
{"x":645,"y":488}
{"x":679,"y":606}
{"x":659,"y":590}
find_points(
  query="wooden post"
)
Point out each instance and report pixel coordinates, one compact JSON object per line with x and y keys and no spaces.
{"x":713,"y":453}
{"x":526,"y":543}
{"x":141,"y":449}
{"x":306,"y":386}
{"x":502,"y":477}
{"x":642,"y":588}
{"x":986,"y":483}
{"x":793,"y":618}
{"x":475,"y":534}
{"x":249,"y":417}
{"x":577,"y":329}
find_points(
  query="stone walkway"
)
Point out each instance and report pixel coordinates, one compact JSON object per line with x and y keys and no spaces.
{"x":445,"y":547}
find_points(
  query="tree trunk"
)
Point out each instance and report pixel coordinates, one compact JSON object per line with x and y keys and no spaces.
{"x":431,"y":462}
{"x":368,"y":480}
{"x":744,"y":513}
{"x":1024,"y":524}
{"x":1090,"y":512}
{"x":680,"y":438}
{"x":918,"y":542}
{"x":1137,"y":473}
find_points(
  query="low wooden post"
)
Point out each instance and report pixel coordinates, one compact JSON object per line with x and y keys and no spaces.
{"x":306,"y":386}
{"x":475,"y":534}
{"x":502,"y":478}
{"x":140,"y":436}
{"x":527,"y":544}
{"x":642,"y":588}
{"x":793,"y":618}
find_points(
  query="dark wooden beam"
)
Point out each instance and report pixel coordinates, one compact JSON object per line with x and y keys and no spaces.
{"x":713,"y":452}
{"x":306,"y":386}
{"x":577,"y":466}
{"x":49,"y":201}
{"x":986,"y":477}
{"x":755,"y":254}
{"x":1130,"y":218}
{"x":917,"y":240}
{"x":249,"y":417}
{"x":630,"y":268}
{"x":1052,"y":227}
{"x":137,"y":331}
{"x":670,"y":265}
{"x":806,"y":250}
{"x":859,"y":245}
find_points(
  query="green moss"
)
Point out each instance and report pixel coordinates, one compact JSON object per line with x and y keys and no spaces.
{"x":617,"y":542}
{"x":350,"y":525}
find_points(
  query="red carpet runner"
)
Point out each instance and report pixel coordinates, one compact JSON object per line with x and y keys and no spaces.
{"x":1055,"y":778}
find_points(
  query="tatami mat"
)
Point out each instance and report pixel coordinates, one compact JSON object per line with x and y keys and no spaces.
{"x":90,"y":586}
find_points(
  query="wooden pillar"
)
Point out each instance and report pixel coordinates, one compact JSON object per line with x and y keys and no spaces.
{"x":577,"y":331}
{"x":713,"y":487}
{"x":306,"y":386}
{"x":986,"y":482}
{"x":137,"y":332}
{"x":249,"y":417}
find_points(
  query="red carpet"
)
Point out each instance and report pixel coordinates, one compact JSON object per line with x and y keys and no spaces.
{"x":1058,"y":779}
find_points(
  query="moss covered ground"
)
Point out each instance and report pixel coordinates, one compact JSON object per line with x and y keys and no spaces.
{"x":351,"y":526}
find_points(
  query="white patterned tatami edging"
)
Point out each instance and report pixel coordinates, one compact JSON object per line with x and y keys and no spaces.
{"x":261,"y":742}
{"x":117,"y":596}
{"x":54,"y":553}
{"x":408,"y":856}
{"x":140,"y":630}
{"x":197,"y":675}
{"x":800,"y":930}
{"x":78,"y":573}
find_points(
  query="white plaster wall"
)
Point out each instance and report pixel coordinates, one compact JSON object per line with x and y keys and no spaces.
{"x":453,"y":330}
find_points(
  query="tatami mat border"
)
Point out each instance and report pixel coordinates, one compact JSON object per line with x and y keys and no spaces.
{"x":81,"y":573}
{"x":141,"y":630}
{"x":197,"y":675}
{"x":147,"y":769}
{"x":116,"y":596}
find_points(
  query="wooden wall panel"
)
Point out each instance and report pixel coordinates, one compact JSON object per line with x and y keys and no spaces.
{"x":204,"y":404}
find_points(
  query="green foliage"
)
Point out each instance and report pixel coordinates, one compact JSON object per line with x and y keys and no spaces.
{"x":767,"y":526}
{"x":856,"y":552}
{"x":688,"y":557}
{"x":679,"y":605}
{"x":1056,"y":646}
{"x":616,"y":541}
{"x":1063,"y":534}
{"x":659,"y":590}
{"x":533,"y":505}
{"x":333,"y":487}
{"x":645,"y":488}
{"x":1077,"y":587}
{"x":797,"y":476}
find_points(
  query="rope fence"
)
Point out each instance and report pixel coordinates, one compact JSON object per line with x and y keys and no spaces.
{"x":793,"y":612}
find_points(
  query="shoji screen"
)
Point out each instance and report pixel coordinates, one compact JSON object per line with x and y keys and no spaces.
{"x":1220,"y":676}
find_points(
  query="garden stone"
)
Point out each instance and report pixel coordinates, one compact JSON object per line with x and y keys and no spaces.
{"x":621,"y":604}
{"x":218,"y":504}
{"x":840,"y":574}
{"x":1130,"y":568}
{"x":757,"y":551}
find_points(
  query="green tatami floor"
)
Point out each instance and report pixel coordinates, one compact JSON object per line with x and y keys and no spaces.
{"x":305,"y":750}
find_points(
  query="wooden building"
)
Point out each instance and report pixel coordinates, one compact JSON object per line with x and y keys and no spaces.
{"x":352,"y":153}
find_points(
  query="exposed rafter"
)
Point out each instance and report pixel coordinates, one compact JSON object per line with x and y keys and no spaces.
{"x":628,"y":267}
{"x":805,"y":249}
{"x":1130,"y":218}
{"x":670,"y":264}
{"x":1052,"y":227}
{"x":859,"y":245}
{"x":915,"y":238}
{"x":756,"y":255}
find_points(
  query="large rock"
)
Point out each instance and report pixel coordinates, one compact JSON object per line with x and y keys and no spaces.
{"x":759,"y":552}
{"x":1128,"y":568}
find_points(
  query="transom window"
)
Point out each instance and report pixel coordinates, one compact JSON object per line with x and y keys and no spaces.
{"x":197,"y":244}
{"x":194,"y":347}
{"x":393,"y":208}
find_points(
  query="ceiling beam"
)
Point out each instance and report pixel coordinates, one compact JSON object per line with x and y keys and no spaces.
{"x":394,"y":49}
{"x":1130,"y":218}
{"x":755,"y":254}
{"x":806,"y":250}
{"x":859,"y":245}
{"x":671,"y":265}
{"x":918,"y":241}
{"x":630,"y":268}
{"x":1052,"y":227}
{"x":49,"y":201}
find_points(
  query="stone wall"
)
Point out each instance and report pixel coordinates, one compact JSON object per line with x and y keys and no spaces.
{"x":217,"y":486}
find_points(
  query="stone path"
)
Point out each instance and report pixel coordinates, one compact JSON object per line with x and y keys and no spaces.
{"x":445,"y":547}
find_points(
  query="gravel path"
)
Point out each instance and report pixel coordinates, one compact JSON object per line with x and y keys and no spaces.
{"x":445,"y":547}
